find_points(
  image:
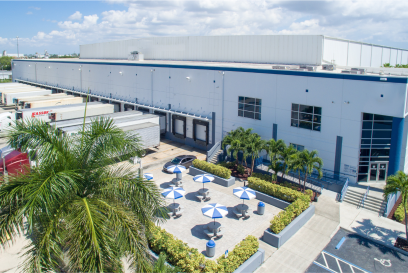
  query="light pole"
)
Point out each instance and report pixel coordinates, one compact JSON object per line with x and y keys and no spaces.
{"x":18,"y":54}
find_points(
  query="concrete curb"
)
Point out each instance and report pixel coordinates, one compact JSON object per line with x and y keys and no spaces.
{"x":218,"y":180}
{"x":271,"y":200}
{"x":277,"y":240}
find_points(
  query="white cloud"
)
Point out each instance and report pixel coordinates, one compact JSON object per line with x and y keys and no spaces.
{"x":29,"y":13}
{"x":375,"y":21}
{"x":76,"y":16}
{"x":36,"y":8}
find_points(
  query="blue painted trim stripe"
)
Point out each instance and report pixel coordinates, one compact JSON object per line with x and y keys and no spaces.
{"x":248,"y":70}
{"x":396,"y":145}
{"x":340,"y":243}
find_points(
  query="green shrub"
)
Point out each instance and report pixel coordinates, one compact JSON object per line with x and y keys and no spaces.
{"x":241,"y":169}
{"x":309,"y":193}
{"x":300,"y":202}
{"x":189,"y":259}
{"x":263,"y":176}
{"x":228,"y":165}
{"x":399,"y":213}
{"x":211,"y":168}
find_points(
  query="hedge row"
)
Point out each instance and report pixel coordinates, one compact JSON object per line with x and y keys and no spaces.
{"x":284,"y":184}
{"x":211,"y":168}
{"x":299,"y":202}
{"x":399,"y":213}
{"x":190,"y":260}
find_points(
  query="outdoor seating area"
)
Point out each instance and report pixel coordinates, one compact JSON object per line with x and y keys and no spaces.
{"x":200,"y":211}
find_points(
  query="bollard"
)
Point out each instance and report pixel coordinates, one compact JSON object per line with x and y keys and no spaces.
{"x":261,"y":208}
{"x":210,"y":248}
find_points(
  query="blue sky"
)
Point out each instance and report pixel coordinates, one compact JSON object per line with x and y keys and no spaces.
{"x":61,"y":26}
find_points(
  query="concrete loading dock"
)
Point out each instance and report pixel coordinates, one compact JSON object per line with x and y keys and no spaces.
{"x":79,"y":121}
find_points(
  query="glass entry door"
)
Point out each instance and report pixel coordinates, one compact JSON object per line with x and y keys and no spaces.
{"x":378,"y":171}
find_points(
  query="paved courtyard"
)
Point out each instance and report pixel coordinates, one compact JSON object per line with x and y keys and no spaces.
{"x":190,"y":227}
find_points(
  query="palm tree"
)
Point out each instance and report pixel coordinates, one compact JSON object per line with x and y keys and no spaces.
{"x":231,"y":137}
{"x":78,"y":203}
{"x":297,"y":164}
{"x":276,"y":166}
{"x":287,"y":157}
{"x":274,"y":148}
{"x":399,"y":183}
{"x":237,"y":140}
{"x":310,"y":162}
{"x":254,"y":147}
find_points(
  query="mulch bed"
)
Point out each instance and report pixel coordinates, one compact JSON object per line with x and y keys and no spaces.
{"x":391,"y":215}
{"x":402,"y":244}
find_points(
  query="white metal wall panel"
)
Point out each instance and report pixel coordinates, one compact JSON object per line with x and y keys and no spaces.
{"x":366,"y":55}
{"x":336,"y":51}
{"x":386,"y":55}
{"x":404,"y":57}
{"x":376,"y":60}
{"x":354,"y":51}
{"x":245,"y":48}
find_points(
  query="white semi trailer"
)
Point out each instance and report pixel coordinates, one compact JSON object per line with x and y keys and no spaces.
{"x":128,"y":121}
{"x":70,"y":113}
{"x":22,"y":90}
{"x":80,"y":121}
{"x":6,"y":120}
{"x":9,"y":97}
{"x":42,"y":112}
{"x":23,"y":102}
{"x":19,"y":101}
{"x":58,"y":101}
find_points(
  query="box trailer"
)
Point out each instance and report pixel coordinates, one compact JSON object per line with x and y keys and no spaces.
{"x":149,"y":133}
{"x":22,"y":90}
{"x":22,"y":101}
{"x":59,"y":101}
{"x":71,"y":113}
{"x":6,"y":120}
{"x":9,"y":97}
{"x":42,"y":112}
{"x":12,"y":85}
{"x":80,"y":121}
{"x":19,"y":101}
{"x":128,"y":121}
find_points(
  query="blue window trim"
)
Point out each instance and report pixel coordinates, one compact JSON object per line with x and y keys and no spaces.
{"x":248,"y":70}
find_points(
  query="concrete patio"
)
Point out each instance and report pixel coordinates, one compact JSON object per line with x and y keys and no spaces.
{"x":190,"y":226}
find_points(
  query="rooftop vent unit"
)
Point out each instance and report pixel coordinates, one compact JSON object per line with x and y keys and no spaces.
{"x":362,"y":70}
{"x":308,"y":67}
{"x":135,"y":56}
{"x":351,"y":72}
{"x":281,"y":67}
{"x":330,"y":67}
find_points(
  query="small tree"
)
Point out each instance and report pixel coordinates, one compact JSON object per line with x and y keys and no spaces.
{"x":310,"y":162}
{"x":399,"y":183}
{"x":297,"y":164}
{"x":276,"y":166}
{"x":254,"y":147}
{"x":287,"y":157}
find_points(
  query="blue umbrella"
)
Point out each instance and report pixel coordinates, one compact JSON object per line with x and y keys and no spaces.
{"x":148,"y":176}
{"x":176,"y":168}
{"x":173,"y":193}
{"x":214,"y":210}
{"x":244,"y":193}
{"x":203,"y":178}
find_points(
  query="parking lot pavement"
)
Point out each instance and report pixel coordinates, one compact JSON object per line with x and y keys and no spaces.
{"x":156,"y":158}
{"x":358,"y":254}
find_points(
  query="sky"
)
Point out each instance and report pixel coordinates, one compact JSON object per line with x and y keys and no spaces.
{"x":61,"y":26}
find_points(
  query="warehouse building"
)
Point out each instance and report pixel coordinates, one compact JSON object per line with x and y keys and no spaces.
{"x":315,"y":92}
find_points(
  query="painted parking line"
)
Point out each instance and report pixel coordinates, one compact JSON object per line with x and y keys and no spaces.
{"x":325,"y":255}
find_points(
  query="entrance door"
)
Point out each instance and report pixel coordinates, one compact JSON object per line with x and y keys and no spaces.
{"x":378,"y":171}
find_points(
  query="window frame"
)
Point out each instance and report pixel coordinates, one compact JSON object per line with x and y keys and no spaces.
{"x":245,"y":103}
{"x":306,"y":119}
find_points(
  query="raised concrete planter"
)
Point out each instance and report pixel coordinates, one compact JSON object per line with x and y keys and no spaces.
{"x":218,"y":180}
{"x":252,"y":263}
{"x":271,"y":200}
{"x":277,"y":240}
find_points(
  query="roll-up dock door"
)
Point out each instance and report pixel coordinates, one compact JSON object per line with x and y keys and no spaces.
{"x":200,"y":131}
{"x":179,"y":126}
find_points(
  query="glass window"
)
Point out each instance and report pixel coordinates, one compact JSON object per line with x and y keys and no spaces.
{"x":380,"y":152}
{"x":367,"y":116}
{"x":306,"y":117}
{"x":367,"y":125}
{"x":381,"y":134}
{"x":382,"y":125}
{"x":249,"y":107}
{"x":366,"y":134}
{"x":381,"y":141}
{"x":362,"y":178}
{"x":380,"y":117}
{"x":363,"y":169}
{"x":366,"y":141}
{"x":297,"y":146}
{"x":364,"y":152}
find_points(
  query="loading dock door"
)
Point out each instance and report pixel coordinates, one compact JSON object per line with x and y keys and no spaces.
{"x":201,"y":132}
{"x":179,"y":127}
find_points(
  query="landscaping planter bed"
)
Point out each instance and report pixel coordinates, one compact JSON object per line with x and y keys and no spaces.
{"x":277,"y":240}
{"x":218,"y":180}
{"x":401,"y":243}
{"x":252,"y":263}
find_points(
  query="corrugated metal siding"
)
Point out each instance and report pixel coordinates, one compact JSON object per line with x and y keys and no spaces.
{"x":285,"y":49}
{"x":352,"y":53}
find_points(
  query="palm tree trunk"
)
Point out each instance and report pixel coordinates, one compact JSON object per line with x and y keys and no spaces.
{"x":252,"y":166}
{"x":304,"y":183}
{"x":283,"y":172}
{"x":299,"y":178}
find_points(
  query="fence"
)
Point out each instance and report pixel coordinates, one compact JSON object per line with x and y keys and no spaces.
{"x":213,"y":151}
{"x":343,"y":191}
{"x":391,"y":201}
